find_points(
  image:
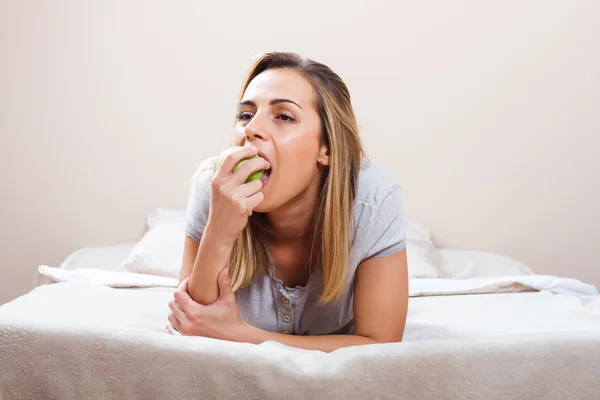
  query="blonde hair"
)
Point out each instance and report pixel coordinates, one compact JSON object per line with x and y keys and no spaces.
{"x":331,"y":241}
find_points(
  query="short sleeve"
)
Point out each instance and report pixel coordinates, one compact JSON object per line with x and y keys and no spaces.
{"x":198,"y":205}
{"x":387,"y":233}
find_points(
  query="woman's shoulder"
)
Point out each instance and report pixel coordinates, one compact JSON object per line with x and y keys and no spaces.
{"x":375,"y":181}
{"x":379,"y":212}
{"x":199,"y":201}
{"x":202,"y":177}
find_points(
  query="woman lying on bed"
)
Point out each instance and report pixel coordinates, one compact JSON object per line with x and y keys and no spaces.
{"x":311,"y":255}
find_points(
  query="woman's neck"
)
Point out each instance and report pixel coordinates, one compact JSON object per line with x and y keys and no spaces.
{"x":292,"y":223}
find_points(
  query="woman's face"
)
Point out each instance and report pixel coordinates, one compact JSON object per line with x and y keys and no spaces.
{"x":277,"y":115}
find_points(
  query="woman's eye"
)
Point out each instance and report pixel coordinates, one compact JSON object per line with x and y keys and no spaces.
{"x":245,"y":116}
{"x":286,"y":117}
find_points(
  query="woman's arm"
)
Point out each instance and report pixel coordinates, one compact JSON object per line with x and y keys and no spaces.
{"x":231,"y":203}
{"x":190,"y":252}
{"x":380,"y":309}
{"x":326,"y":343}
{"x":202,"y":262}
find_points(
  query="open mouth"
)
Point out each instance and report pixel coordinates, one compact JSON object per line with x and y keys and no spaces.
{"x":267,"y":172}
{"x":265,"y":176}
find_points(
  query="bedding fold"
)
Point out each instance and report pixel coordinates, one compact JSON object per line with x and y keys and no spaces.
{"x":417,"y":287}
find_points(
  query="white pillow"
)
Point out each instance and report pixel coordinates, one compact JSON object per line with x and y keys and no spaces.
{"x":164,"y":215}
{"x":462,"y":264}
{"x":160,"y":251}
{"x":106,"y":258}
{"x":420,"y":264}
{"x":419,"y":234}
{"x":418,"y":252}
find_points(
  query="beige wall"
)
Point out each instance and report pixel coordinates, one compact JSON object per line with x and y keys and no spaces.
{"x":486,"y":111}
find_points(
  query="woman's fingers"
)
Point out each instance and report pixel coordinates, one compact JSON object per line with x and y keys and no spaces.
{"x":232,"y":199}
{"x":231,"y":160}
{"x":176,"y":310}
{"x":255,"y":200}
{"x":247,"y":189}
{"x":248,"y":168}
{"x":247,"y":197}
{"x":172,"y":330}
{"x":183,"y":299}
{"x":175,"y":322}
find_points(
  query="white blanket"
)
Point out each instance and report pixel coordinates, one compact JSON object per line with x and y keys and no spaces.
{"x":81,"y":339}
{"x":417,"y":287}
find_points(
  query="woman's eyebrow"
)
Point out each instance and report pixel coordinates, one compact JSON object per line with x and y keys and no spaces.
{"x":272,"y":102}
{"x":277,"y":101}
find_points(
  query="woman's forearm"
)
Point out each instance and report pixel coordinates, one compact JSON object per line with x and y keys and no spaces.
{"x":326,"y":343}
{"x":213,"y":255}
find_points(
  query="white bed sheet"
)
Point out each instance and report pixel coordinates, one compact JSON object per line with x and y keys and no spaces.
{"x":85,"y":340}
{"x":93,"y":330}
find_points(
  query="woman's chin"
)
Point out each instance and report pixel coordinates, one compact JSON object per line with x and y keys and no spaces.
{"x":262,"y":207}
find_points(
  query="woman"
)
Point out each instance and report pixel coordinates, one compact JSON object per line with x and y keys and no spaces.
{"x":313,"y":254}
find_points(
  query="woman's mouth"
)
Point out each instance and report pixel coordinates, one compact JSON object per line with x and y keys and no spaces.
{"x":267,"y":172}
{"x":265,"y":176}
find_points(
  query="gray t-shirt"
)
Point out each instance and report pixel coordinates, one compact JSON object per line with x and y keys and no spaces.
{"x":381,"y":225}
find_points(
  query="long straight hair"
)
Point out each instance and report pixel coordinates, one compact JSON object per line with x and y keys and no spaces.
{"x":332,"y":223}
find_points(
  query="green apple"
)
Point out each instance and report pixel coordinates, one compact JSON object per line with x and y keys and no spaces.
{"x":228,"y":151}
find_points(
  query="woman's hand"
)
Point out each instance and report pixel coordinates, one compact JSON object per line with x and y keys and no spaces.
{"x":231,"y":200}
{"x":219,"y":320}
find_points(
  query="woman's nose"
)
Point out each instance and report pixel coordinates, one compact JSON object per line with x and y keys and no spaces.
{"x":255,"y":130}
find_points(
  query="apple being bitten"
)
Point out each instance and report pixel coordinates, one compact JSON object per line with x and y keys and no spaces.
{"x":226,"y":152}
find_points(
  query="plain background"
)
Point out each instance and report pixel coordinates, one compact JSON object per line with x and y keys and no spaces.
{"x":486,"y":112}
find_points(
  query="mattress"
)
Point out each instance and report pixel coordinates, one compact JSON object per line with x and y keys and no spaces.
{"x":88,"y":333}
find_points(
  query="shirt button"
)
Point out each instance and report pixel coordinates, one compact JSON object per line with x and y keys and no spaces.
{"x":286,"y":300}
{"x":287,"y":318}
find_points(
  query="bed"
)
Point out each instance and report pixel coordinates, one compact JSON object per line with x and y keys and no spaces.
{"x":93,"y":328}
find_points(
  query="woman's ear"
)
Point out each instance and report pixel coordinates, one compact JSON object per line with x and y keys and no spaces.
{"x":323,"y":156}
